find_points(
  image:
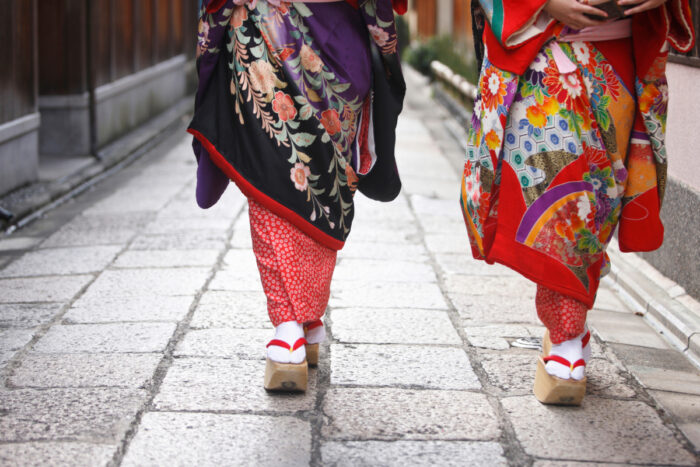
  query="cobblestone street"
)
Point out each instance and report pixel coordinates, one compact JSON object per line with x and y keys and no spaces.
{"x":133,"y":328}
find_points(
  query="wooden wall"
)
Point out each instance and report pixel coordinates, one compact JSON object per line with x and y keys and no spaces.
{"x":115,"y":38}
{"x":427,"y":18}
{"x":462,"y":21}
{"x":18,"y":24}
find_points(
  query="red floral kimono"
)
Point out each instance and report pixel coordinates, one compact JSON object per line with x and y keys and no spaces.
{"x":557,"y":155}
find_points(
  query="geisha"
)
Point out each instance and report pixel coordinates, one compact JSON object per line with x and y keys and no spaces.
{"x":297,"y":104}
{"x":566,"y":146}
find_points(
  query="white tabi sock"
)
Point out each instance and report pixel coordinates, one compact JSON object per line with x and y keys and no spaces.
{"x":289,"y":332}
{"x":572,"y":351}
{"x":316,"y":335}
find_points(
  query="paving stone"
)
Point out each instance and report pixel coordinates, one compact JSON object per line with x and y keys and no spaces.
{"x":461,"y":264}
{"x":55,"y":453}
{"x":444,"y":187}
{"x":692,"y":432}
{"x":608,"y":300}
{"x":166,"y":258}
{"x":96,"y":309}
{"x":667,"y":380}
{"x":22,"y":315}
{"x":573,"y":464}
{"x":437,"y":224}
{"x":390,"y":251}
{"x":227,"y":343}
{"x":517,"y":287}
{"x":42,"y":289}
{"x":130,"y":198}
{"x":501,"y":330}
{"x":448,"y":243}
{"x":211,"y":384}
{"x":231,"y":310}
{"x":18,"y":243}
{"x":684,"y":408}
{"x":414,"y":453}
{"x":402,"y":366}
{"x":602,"y":430}
{"x":489,"y":342}
{"x":106,"y":338}
{"x":349,"y":269}
{"x":651,"y":357}
{"x":512,"y":372}
{"x":623,"y":328}
{"x":147,"y":282}
{"x":62,"y":261}
{"x":96,"y":415}
{"x":373,"y":232}
{"x":98,"y":230}
{"x":387,"y":295}
{"x":85,"y":370}
{"x":393,"y":326}
{"x":241,"y":240}
{"x":168,"y":225}
{"x":237,"y":278}
{"x":395,"y":414}
{"x":483,"y":309}
{"x":189,"y":240}
{"x":440,"y":207}
{"x":228,"y":207}
{"x":13,"y":339}
{"x":220,"y":439}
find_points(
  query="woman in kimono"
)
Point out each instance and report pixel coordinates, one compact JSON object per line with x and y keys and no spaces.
{"x":297,"y":104}
{"x":566,"y":145}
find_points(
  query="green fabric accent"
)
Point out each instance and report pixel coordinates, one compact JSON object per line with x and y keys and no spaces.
{"x":497,"y":20}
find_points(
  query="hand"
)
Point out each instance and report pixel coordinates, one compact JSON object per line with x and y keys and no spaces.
{"x":642,"y":5}
{"x":571,"y":12}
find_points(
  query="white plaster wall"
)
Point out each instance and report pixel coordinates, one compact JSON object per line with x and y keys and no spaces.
{"x":683,"y":125}
{"x":444,"y":17}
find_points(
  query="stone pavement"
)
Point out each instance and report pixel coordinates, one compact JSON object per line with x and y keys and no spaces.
{"x":133,"y":326}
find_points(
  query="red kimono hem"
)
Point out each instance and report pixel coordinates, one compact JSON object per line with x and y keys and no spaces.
{"x":520,"y":258}
{"x":258,"y":196}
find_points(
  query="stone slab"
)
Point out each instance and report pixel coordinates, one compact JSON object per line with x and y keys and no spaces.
{"x":220,"y":439}
{"x":236,"y":278}
{"x":209,"y":384}
{"x":83,"y":370}
{"x":23,"y":315}
{"x":445,"y":187}
{"x":98,"y":230}
{"x":42,"y":289}
{"x":633,"y":355}
{"x":349,"y":269}
{"x":516,"y":287}
{"x":148,"y":282}
{"x":393,"y":326}
{"x":387,"y":295}
{"x":18,"y":243}
{"x":457,"y":243}
{"x":167,"y":225}
{"x":106,"y":338}
{"x":667,"y":380}
{"x":377,"y":251}
{"x":356,"y":414}
{"x":189,"y":240}
{"x":602,"y":430}
{"x":414,"y":453}
{"x":402,"y":366}
{"x":624,"y":328}
{"x":512,"y":372}
{"x":96,"y":415}
{"x":684,"y":408}
{"x":95,"y":309}
{"x":217,"y":309}
{"x":11,"y":340}
{"x":606,"y":299}
{"x":461,"y":264}
{"x":248,"y":344}
{"x":55,"y":453}
{"x":166,"y":258}
{"x":482,"y":309}
{"x":61,"y":261}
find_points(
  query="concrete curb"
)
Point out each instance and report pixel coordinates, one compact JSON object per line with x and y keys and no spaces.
{"x":662,"y":302}
{"x":28,"y":202}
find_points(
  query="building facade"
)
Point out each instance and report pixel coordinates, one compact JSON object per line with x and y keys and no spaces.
{"x":79,"y":74}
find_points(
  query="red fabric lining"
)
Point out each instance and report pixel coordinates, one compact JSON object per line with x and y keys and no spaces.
{"x":280,"y":343}
{"x":215,"y":5}
{"x":250,"y":191}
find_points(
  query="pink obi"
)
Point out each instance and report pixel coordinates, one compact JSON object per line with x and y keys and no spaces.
{"x":605,"y":32}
